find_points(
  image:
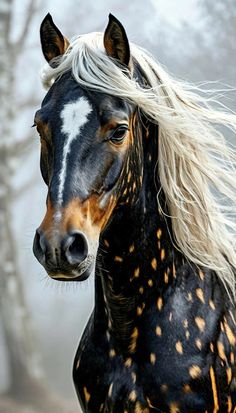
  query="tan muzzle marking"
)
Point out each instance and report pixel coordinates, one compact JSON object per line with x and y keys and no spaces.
{"x":87,"y":217}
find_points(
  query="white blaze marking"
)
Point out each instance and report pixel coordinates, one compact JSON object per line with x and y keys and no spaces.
{"x":74,"y":116}
{"x":57,"y":216}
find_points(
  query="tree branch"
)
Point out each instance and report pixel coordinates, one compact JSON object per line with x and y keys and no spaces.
{"x":30,"y":13}
{"x":5,"y":20}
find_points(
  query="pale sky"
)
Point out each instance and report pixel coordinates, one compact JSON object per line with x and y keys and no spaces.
{"x":176,"y":11}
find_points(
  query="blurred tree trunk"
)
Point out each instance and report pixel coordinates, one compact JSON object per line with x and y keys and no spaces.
{"x":23,"y":357}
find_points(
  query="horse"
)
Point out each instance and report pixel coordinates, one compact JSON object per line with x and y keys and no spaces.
{"x":138,"y":175}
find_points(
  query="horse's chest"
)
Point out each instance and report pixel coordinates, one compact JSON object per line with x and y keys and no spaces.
{"x":109,"y":383}
{"x":167,"y":367}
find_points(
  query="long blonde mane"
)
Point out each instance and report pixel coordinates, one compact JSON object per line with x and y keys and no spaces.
{"x":196,"y":167}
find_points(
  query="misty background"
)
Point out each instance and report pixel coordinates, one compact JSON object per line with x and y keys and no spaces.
{"x":42,"y":320}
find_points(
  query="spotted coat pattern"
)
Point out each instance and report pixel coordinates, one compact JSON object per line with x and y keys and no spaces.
{"x":162,"y":334}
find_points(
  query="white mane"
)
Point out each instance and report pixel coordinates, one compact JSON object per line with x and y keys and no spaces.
{"x":194,"y":159}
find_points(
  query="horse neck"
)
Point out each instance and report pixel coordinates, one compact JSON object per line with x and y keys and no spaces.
{"x":137,"y":260}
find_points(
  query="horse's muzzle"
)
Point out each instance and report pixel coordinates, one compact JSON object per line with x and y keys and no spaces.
{"x":64,"y":258}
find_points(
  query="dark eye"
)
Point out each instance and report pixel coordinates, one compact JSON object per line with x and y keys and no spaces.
{"x":119,"y":134}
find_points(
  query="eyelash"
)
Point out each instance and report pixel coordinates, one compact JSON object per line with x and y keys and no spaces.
{"x":35,"y":126}
{"x":115,"y":137}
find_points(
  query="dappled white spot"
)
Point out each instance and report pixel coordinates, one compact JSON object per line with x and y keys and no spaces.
{"x":74,"y":116}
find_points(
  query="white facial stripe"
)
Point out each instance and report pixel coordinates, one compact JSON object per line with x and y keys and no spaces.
{"x":57,"y":216}
{"x":74,"y":116}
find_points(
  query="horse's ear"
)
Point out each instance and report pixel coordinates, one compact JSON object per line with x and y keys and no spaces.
{"x":52,"y":41}
{"x":116,"y":42}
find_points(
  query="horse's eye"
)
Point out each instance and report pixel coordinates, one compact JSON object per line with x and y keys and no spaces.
{"x":119,"y":134}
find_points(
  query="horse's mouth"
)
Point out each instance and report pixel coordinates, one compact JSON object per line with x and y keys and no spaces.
{"x":79,"y":273}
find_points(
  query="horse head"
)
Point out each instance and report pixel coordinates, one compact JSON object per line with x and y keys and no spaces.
{"x":87,"y":152}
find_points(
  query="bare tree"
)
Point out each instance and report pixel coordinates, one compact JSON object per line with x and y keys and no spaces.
{"x":26,"y":377}
{"x":208,"y":51}
{"x":22,"y":355}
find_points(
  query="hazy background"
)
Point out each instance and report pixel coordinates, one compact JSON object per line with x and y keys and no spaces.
{"x":41,"y":320}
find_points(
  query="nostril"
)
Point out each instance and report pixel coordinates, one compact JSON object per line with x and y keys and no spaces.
{"x":77,"y":245}
{"x":76,"y":248}
{"x":39,"y":246}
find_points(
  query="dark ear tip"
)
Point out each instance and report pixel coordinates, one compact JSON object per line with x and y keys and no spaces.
{"x":112,"y":18}
{"x":47,"y":18}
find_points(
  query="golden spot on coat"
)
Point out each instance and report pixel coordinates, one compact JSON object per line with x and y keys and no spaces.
{"x":194,"y":371}
{"x":159,"y":303}
{"x":229,"y":375}
{"x":166,"y":278}
{"x":221,"y":350}
{"x":163,"y":254}
{"x":140,"y":309}
{"x":164,"y":388}
{"x":200,"y":295}
{"x":133,"y":396}
{"x":154,"y":263}
{"x":87,"y":395}
{"x":198,"y":343}
{"x":185,"y":323}
{"x":128,"y":362}
{"x":134,"y":336}
{"x":153,"y":358}
{"x":187,"y":389}
{"x":139,"y":409}
{"x":212,"y":305}
{"x":230,"y":335}
{"x":201,"y":275}
{"x":112,"y":353}
{"x":179,"y":347}
{"x":200,"y":322}
{"x":118,"y":259}
{"x":134,"y":377}
{"x":230,"y":405}
{"x":174,"y":407}
{"x":131,"y":248}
